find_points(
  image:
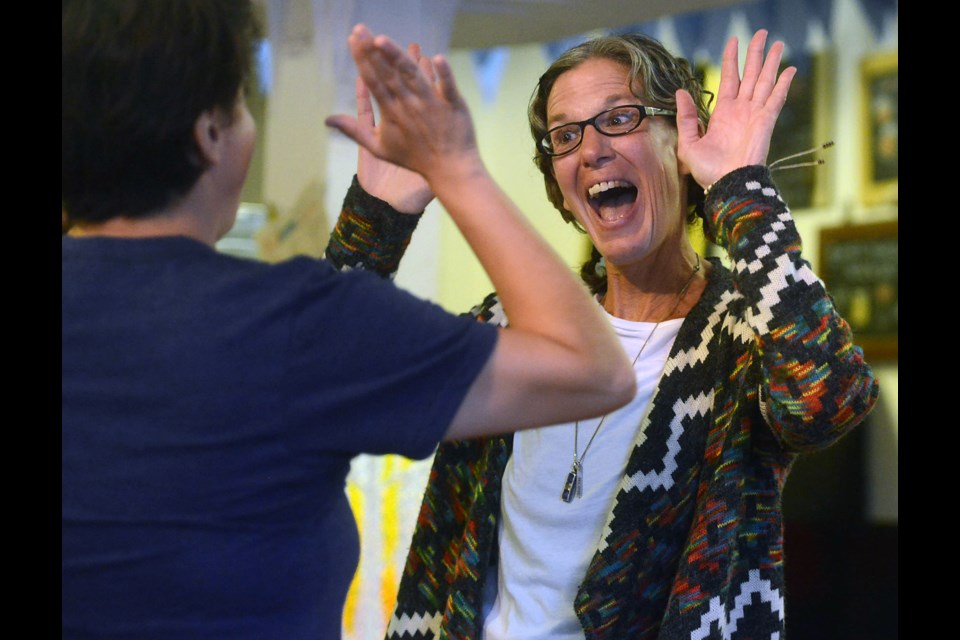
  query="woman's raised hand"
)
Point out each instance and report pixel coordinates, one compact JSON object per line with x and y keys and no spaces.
{"x":743,"y":119}
{"x":404,"y":190}
{"x":425,"y":125}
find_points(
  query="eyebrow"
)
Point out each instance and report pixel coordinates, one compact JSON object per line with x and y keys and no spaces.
{"x":611,"y":102}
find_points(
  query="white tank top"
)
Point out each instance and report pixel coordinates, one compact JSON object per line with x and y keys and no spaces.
{"x":546,"y":544}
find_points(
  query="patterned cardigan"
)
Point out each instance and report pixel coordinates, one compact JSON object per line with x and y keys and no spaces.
{"x":763,"y":369}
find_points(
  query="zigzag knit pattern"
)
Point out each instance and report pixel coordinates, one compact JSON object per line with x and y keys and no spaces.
{"x":762,"y":370}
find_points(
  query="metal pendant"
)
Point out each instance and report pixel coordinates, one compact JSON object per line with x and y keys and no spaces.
{"x":574,"y":484}
{"x":579,"y":479}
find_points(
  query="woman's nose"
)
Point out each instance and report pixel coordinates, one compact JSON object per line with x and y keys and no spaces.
{"x":594,"y":146}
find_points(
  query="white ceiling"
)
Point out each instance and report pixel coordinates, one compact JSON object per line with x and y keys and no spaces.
{"x":481,"y":24}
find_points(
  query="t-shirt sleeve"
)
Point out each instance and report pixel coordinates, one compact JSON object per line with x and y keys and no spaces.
{"x":375,"y":369}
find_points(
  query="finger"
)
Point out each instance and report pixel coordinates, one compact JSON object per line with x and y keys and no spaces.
{"x":364,"y":104}
{"x":360,"y":43}
{"x":381,"y":64}
{"x":729,"y":71}
{"x":426,"y":66}
{"x":413,"y":50}
{"x":403,"y":62}
{"x":447,"y":83}
{"x":778,"y":96}
{"x":377,"y":76}
{"x":397,"y":70}
{"x":768,"y":75}
{"x":351,"y":128}
{"x":688,"y":125}
{"x":754,"y":63}
{"x":361,"y":31}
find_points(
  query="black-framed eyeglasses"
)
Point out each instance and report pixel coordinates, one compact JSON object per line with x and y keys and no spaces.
{"x":617,"y":121}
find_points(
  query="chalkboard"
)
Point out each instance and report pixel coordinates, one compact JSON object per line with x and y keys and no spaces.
{"x":858,"y":264}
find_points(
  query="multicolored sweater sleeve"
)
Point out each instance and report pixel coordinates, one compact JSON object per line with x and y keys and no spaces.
{"x":815,"y":385}
{"x":369,"y":234}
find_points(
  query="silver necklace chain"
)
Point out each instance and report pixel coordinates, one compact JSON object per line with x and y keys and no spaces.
{"x":573,"y":487}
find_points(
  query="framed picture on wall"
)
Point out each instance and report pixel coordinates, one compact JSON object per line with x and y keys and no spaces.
{"x":859,"y":265}
{"x":880,"y":104}
{"x":803,"y":126}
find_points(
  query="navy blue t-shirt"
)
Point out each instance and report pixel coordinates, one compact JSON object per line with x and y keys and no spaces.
{"x":210,"y":409}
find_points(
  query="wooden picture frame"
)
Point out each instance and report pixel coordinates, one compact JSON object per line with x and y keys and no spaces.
{"x":880,"y":106}
{"x":859,"y":266}
{"x":804,"y":124}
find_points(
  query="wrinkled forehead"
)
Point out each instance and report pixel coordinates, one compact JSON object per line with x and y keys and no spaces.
{"x":588,"y":88}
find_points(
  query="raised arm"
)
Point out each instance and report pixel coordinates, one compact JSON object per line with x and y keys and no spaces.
{"x":814,"y":383}
{"x":560,"y":360}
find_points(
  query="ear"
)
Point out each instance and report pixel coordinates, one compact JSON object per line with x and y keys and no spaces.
{"x":208,"y":134}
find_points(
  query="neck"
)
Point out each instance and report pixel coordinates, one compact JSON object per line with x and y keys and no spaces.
{"x":180,"y":220}
{"x":654,"y":291}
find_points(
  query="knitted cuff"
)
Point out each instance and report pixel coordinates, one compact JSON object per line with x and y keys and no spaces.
{"x":369,"y":234}
{"x":737,"y":202}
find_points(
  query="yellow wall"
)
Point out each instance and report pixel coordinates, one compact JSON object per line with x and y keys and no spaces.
{"x":507,"y":149}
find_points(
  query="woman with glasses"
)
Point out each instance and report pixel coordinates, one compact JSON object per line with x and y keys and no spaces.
{"x":661,"y":519}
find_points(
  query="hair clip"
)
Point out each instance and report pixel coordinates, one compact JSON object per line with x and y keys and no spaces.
{"x":777,"y":166}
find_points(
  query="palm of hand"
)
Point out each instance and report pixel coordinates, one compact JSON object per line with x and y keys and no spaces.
{"x":743,"y":120}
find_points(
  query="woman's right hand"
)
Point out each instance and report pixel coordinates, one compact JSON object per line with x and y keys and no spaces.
{"x":424,"y":125}
{"x":404,"y":190}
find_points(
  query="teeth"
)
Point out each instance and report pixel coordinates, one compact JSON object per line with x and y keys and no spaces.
{"x":605,"y":186}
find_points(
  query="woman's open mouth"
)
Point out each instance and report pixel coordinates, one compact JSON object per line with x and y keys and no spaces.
{"x":612,"y":200}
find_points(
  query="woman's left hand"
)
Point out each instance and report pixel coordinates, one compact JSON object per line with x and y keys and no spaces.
{"x":743,"y":119}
